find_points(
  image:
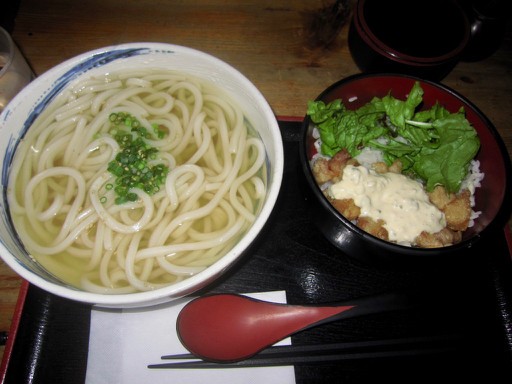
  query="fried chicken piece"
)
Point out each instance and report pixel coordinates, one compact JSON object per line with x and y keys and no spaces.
{"x":347,"y":208}
{"x":325,"y":170}
{"x":458,"y":211}
{"x":382,"y":167}
{"x":439,"y":239}
{"x":375,"y":228}
{"x":439,"y":197}
{"x":396,"y":167}
{"x":321,"y":171}
{"x":338,"y":162}
{"x":456,"y":208}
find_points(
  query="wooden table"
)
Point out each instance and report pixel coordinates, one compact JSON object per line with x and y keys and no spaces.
{"x":268,"y":41}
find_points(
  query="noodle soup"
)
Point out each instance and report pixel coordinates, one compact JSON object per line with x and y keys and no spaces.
{"x":136,"y":180}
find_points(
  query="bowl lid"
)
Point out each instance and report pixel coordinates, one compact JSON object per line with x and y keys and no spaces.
{"x":405,"y":31}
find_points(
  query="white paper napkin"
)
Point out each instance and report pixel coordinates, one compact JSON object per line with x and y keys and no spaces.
{"x":123,"y":342}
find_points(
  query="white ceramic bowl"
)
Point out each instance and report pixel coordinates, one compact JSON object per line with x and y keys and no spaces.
{"x":28,"y":104}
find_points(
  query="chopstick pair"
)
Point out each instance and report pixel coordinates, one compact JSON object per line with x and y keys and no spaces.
{"x":321,"y":353}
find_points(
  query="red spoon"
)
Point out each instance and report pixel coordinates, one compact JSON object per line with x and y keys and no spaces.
{"x":229,"y":327}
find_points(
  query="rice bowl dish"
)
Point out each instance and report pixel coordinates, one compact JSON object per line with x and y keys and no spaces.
{"x":392,"y":203}
{"x":476,"y":181}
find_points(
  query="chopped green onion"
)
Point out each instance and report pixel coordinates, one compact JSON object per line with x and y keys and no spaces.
{"x":130,"y":165}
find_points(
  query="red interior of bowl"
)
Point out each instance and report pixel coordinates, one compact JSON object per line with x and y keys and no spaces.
{"x":494,"y":162}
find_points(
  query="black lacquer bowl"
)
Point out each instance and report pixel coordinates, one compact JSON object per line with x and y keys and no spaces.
{"x":404,"y":36}
{"x":492,"y":198}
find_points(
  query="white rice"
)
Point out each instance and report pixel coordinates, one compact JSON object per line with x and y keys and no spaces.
{"x":369,"y":156}
{"x":472,"y":182}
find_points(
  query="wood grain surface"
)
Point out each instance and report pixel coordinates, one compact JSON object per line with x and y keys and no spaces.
{"x":271,"y":42}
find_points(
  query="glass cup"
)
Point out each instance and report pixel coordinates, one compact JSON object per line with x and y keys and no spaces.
{"x":15,"y":72}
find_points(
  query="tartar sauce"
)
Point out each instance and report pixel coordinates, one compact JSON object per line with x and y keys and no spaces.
{"x":398,"y":200}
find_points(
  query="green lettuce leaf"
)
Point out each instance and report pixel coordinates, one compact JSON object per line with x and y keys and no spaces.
{"x":434,"y":144}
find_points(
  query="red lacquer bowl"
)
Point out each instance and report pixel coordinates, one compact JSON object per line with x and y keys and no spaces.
{"x":492,"y":198}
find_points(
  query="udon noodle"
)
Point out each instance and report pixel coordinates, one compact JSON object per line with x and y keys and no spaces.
{"x":64,"y":207}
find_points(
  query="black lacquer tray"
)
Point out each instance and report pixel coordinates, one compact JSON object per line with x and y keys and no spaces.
{"x":473,"y":301}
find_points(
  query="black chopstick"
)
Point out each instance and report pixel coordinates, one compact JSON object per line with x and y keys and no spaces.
{"x":311,"y":354}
